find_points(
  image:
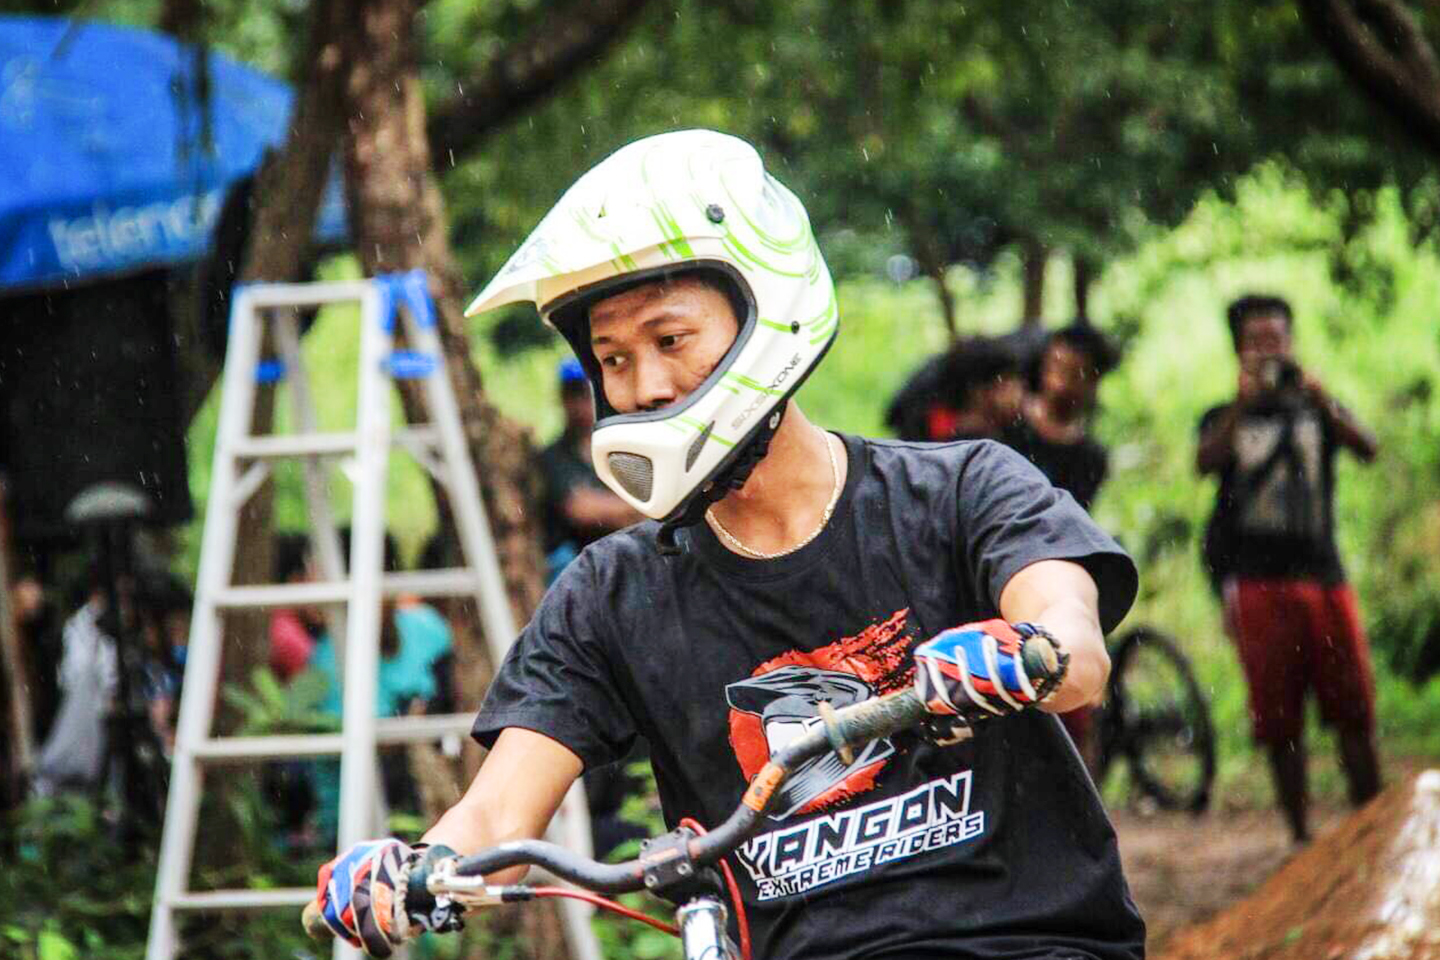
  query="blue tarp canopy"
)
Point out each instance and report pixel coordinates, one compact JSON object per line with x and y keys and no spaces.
{"x":110,"y":158}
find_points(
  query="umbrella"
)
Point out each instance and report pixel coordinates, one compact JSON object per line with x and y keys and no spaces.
{"x":111,"y":159}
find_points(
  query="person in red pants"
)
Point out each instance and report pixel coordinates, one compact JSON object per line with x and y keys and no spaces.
{"x":1271,"y":551}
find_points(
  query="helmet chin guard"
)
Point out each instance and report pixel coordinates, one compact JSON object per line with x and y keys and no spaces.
{"x":667,"y":205}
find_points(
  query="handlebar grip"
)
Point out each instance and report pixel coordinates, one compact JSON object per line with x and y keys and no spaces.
{"x":314,"y":923}
{"x":1040,"y":658}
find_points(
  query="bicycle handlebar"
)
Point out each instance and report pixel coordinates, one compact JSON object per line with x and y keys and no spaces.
{"x":842,"y":730}
{"x":846,"y":728}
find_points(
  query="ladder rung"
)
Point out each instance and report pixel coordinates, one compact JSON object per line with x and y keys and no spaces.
{"x":323,"y":444}
{"x":454,"y":582}
{"x":297,"y":444}
{"x":388,"y":730}
{"x":243,"y":899}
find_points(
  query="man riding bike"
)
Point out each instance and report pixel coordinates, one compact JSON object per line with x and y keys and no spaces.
{"x":786,"y":568}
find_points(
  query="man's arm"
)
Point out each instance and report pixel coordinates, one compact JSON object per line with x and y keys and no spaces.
{"x":592,"y":509}
{"x":1350,"y":433}
{"x":1062,"y":597}
{"x":518,"y":789}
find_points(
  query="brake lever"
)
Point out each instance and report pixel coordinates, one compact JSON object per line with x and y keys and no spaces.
{"x":471,"y":892}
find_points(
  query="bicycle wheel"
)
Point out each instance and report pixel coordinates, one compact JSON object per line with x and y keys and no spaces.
{"x":1164,"y":721}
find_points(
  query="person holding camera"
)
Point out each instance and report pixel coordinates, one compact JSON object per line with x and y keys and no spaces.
{"x":1270,"y":549}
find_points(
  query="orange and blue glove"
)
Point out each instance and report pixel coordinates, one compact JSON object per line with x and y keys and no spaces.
{"x":987,"y":669}
{"x":373,"y":895}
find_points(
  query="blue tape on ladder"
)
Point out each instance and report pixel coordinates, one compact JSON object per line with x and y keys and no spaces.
{"x":417,"y":297}
{"x":270,"y":371}
{"x":412,"y":290}
{"x":385,"y":283}
{"x":409,"y":364}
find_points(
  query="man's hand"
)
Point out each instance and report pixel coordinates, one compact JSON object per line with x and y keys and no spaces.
{"x":373,"y":895}
{"x":987,"y":669}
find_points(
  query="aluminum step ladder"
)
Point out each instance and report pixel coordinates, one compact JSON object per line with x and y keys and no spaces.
{"x":242,"y":463}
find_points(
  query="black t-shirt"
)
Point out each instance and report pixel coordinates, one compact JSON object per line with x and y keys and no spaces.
{"x":994,"y":848}
{"x":564,"y":470}
{"x":1274,"y":514}
{"x":1077,"y":468}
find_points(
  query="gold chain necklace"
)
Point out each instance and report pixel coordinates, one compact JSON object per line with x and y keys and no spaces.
{"x":749,"y":551}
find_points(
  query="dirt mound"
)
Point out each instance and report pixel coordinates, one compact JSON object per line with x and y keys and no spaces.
{"x":1367,"y":890}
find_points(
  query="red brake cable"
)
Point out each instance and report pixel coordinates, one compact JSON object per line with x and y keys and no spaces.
{"x":741,"y":921}
{"x":599,"y":901}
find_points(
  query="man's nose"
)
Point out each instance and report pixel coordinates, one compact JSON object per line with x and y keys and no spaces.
{"x":654,"y":386}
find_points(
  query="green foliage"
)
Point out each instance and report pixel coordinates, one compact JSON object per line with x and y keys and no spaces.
{"x":946,"y":129}
{"x":72,"y":890}
{"x":268,"y":706}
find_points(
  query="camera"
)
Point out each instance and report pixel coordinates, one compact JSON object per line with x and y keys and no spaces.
{"x":1280,"y":373}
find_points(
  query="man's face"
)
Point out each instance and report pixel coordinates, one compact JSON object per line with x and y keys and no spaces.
{"x":1068,"y":374}
{"x":1264,"y":336}
{"x":579,"y":408}
{"x":1000,"y":399}
{"x":656,"y":343}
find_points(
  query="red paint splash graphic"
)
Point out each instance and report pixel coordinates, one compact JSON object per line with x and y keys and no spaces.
{"x":879,"y":655}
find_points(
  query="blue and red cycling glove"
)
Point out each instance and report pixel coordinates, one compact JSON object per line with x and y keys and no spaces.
{"x":373,"y":895}
{"x":987,"y":669}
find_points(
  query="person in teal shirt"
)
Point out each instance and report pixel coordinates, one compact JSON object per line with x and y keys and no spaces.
{"x":415,"y":654}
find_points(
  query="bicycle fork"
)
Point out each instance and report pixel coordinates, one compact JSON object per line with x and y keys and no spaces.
{"x":702,"y":930}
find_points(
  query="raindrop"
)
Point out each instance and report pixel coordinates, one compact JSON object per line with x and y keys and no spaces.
{"x":900,"y":268}
{"x":865,"y":153}
{"x":452,"y":164}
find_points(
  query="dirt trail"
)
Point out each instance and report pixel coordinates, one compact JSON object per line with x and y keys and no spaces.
{"x":1183,"y":869}
{"x":1367,"y":889}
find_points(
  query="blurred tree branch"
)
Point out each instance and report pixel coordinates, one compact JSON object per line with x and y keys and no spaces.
{"x":529,"y":70}
{"x":1382,"y":46}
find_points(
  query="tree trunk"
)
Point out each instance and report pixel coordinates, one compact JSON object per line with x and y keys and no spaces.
{"x":398,"y":223}
{"x":1084,"y":277}
{"x":947,"y":301}
{"x":397,"y":217}
{"x":1035,"y":257}
{"x":929,"y":255}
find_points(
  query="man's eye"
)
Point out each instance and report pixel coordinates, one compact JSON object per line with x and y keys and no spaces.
{"x":669,"y":340}
{"x":611,"y":361}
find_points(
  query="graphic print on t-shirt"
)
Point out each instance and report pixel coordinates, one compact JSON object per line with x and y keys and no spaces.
{"x":1280,"y":461}
{"x":781,"y":700}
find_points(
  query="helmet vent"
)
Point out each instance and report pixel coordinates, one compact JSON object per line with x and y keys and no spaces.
{"x":635,"y":473}
{"x":694,"y":452}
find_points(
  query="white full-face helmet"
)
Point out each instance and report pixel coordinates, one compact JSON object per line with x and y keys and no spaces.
{"x":670,"y":204}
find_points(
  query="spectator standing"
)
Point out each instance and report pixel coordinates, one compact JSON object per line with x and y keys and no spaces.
{"x":74,"y":755}
{"x":579,"y":509}
{"x":164,"y":606}
{"x":970,"y":392}
{"x":1054,"y":434}
{"x":293,"y":630}
{"x":1054,"y":431}
{"x":1271,"y":549}
{"x":416,"y":675}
